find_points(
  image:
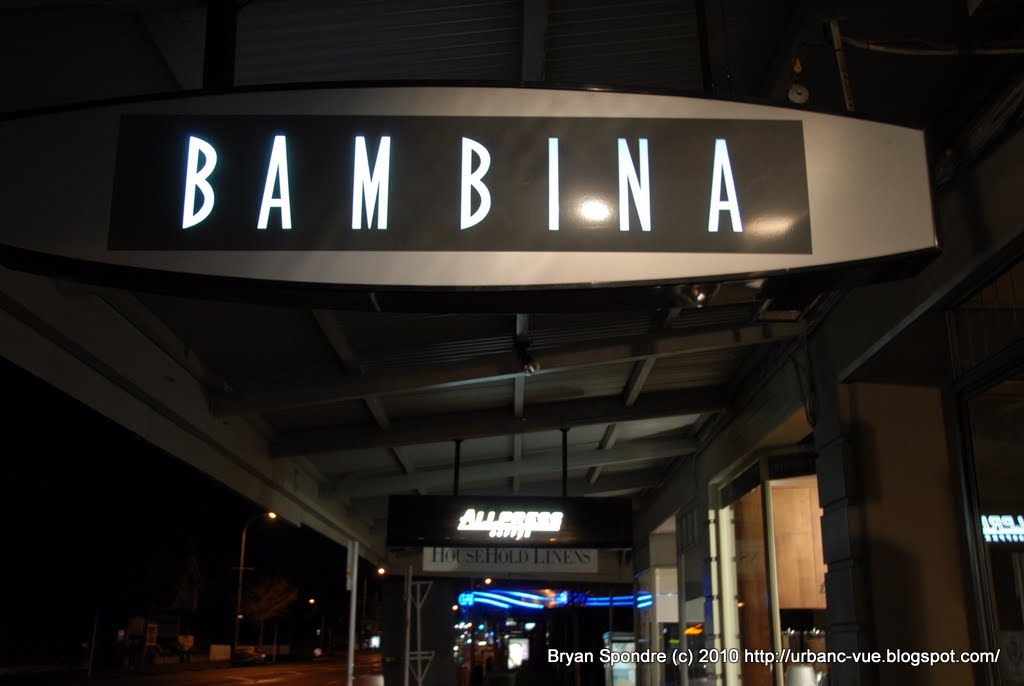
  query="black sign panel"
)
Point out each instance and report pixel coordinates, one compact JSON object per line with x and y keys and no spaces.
{"x":429,"y":520}
{"x":460,"y":184}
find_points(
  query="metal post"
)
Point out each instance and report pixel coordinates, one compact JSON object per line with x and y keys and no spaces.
{"x":408,"y":626}
{"x":354,"y":570}
{"x":565,"y":462}
{"x":458,"y":456}
{"x":92,"y":644}
{"x":844,"y":75}
{"x":241,"y":571}
{"x":219,"y":56}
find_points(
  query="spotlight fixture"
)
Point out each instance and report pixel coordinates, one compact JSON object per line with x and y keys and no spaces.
{"x":798,"y":93}
{"x":526,"y":360}
{"x":487,"y":581}
{"x":699,"y":295}
{"x":381,"y":571}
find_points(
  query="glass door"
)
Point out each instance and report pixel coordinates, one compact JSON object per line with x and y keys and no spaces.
{"x":770,"y":567}
{"x":995,"y":418}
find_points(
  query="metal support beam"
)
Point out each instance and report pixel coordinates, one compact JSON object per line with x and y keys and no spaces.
{"x":179,"y":47}
{"x":519,"y":394}
{"x":535,"y":28}
{"x":503,"y":365}
{"x":611,"y":485}
{"x":335,"y":334}
{"x":641,"y":370}
{"x":483,"y":423}
{"x":541,"y":462}
{"x":714,"y":55}
{"x":458,"y":457}
{"x":219,"y":57}
{"x":565,"y":461}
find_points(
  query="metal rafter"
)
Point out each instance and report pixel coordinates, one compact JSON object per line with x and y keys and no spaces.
{"x":535,"y":27}
{"x":519,"y":394}
{"x":335,"y":334}
{"x":502,"y":365}
{"x":540,"y":462}
{"x":483,"y":423}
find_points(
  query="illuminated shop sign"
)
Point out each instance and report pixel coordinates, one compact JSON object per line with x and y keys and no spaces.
{"x":509,"y":524}
{"x":401,"y":188}
{"x":523,"y":522}
{"x":1003,"y":528}
{"x":510,"y":561}
{"x":410,"y":183}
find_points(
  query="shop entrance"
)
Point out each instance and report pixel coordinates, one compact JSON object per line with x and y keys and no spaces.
{"x":769,"y":569}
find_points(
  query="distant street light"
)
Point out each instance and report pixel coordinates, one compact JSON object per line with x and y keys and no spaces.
{"x":381,"y":571}
{"x":312,"y":601}
{"x":241,"y":571}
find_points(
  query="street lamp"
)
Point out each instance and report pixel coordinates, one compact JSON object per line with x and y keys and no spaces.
{"x":241,"y":571}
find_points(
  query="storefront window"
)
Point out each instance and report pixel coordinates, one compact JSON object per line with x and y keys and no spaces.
{"x":997,"y":433}
{"x":771,"y":573}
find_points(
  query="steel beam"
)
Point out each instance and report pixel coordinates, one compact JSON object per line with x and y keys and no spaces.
{"x":483,"y":423}
{"x":535,"y":28}
{"x":540,"y":462}
{"x":503,"y":365}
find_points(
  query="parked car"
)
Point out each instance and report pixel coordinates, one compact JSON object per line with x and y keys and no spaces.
{"x":248,"y":655}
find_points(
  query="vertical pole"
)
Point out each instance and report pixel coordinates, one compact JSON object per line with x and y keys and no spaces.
{"x":565,"y":461}
{"x":241,"y":571}
{"x":354,"y":571}
{"x":408,"y":625}
{"x":219,"y":56}
{"x":273,"y":659}
{"x":844,"y":75}
{"x":458,"y":457}
{"x":92,"y":643}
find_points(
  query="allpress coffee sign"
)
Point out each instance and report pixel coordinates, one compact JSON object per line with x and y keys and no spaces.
{"x":524,"y":523}
{"x":460,"y":184}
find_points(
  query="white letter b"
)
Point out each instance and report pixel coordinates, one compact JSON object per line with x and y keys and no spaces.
{"x":197,"y":178}
{"x":473,"y":180}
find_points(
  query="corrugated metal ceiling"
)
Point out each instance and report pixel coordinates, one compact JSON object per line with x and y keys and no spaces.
{"x":642,"y":44}
{"x":374,"y":40}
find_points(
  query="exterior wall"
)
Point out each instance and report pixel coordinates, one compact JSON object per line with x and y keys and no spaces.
{"x":979,"y":216}
{"x":910,"y":511}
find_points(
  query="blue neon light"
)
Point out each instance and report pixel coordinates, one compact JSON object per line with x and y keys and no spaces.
{"x":495,"y":603}
{"x":506,"y":599}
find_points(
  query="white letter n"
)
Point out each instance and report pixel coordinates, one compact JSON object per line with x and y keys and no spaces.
{"x":641,"y":188}
{"x":369,"y":189}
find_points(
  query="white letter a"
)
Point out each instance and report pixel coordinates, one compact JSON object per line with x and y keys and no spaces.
{"x":723,"y":170}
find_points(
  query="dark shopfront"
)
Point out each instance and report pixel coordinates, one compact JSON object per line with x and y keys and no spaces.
{"x":654,"y":253}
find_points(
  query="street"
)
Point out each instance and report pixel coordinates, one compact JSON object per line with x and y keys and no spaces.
{"x":332,"y":673}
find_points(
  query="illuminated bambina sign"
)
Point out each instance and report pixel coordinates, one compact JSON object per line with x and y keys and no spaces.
{"x":460,"y":183}
{"x":509,"y":524}
{"x":1003,"y":528}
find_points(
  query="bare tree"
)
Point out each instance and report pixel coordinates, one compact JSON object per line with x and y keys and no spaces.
{"x":269,"y":598}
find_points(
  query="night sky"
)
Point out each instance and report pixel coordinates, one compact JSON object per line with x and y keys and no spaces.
{"x":95,"y":519}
